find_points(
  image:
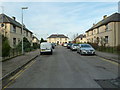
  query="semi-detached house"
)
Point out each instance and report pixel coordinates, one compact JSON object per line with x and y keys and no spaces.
{"x":57,"y":38}
{"x":13,"y":30}
{"x":105,"y":32}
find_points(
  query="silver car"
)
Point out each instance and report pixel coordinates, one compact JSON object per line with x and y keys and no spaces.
{"x":74,"y":47}
{"x":85,"y":49}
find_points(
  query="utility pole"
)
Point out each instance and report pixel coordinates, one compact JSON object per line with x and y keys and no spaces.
{"x":22,"y":28}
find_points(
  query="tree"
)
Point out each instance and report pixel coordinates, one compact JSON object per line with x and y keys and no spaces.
{"x":5,"y":47}
{"x":26,"y":45}
{"x":42,"y":40}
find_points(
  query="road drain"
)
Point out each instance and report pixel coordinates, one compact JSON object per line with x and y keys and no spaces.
{"x":109,"y":83}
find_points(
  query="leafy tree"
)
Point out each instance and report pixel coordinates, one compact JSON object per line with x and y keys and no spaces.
{"x":5,"y":47}
{"x":42,"y":40}
{"x":26,"y":45}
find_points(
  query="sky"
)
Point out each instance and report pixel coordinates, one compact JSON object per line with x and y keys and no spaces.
{"x":69,"y":18}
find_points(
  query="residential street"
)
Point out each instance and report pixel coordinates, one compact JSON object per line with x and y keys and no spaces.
{"x":66,"y":69}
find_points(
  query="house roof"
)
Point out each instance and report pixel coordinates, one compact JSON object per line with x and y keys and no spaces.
{"x":113,"y":18}
{"x":35,"y":37}
{"x":81,"y":36}
{"x":6,"y":19}
{"x":57,"y":36}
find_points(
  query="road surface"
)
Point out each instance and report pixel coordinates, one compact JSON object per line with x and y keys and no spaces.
{"x":65,"y":69}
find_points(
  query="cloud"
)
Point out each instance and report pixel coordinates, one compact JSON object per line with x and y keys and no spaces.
{"x":45,"y":18}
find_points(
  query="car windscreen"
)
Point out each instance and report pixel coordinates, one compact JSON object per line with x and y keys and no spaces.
{"x":75,"y":45}
{"x":85,"y":46}
{"x":69,"y":43}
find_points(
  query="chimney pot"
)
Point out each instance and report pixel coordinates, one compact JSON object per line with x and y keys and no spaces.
{"x":13,"y":18}
{"x":105,"y":16}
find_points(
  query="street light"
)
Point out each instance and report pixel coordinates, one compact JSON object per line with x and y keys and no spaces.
{"x":22,"y":27}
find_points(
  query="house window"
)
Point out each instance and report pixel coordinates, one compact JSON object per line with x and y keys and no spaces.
{"x":21,"y":31}
{"x":26,"y":33}
{"x":106,"y":39}
{"x":14,"y":28}
{"x":106,"y":29}
{"x":92,"y":32}
{"x":14,"y":41}
{"x":30,"y":35}
{"x":97,"y":30}
{"x":18,"y":40}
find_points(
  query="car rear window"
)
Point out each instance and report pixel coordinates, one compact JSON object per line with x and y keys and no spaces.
{"x":85,"y":46}
{"x":75,"y":44}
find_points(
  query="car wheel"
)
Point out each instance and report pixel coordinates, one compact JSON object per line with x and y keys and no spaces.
{"x":77,"y":51}
{"x":41,"y":53}
{"x":51,"y":52}
{"x":80,"y":53}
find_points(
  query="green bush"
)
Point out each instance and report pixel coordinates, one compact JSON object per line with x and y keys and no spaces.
{"x":94,"y":45}
{"x":42,"y":40}
{"x":35,"y":45}
{"x":5,"y":47}
{"x":118,"y":49}
{"x":26,"y":45}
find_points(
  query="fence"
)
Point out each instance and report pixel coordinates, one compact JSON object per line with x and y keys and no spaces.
{"x":108,"y":49}
{"x":115,"y":50}
{"x":13,"y":53}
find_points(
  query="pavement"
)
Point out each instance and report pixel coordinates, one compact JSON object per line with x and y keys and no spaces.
{"x":110,"y":56}
{"x":65,"y":69}
{"x":14,"y":63}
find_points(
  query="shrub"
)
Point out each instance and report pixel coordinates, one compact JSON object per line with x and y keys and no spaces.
{"x":5,"y":47}
{"x":26,"y":45}
{"x":118,"y":48}
{"x":94,"y":45}
{"x":35,"y":45}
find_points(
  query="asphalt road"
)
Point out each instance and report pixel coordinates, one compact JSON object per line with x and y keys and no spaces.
{"x":65,"y":69}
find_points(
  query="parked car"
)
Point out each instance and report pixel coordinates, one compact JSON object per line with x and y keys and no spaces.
{"x":85,"y":49}
{"x":65,"y":44}
{"x":53,"y":45}
{"x":69,"y":45}
{"x":46,"y":47}
{"x":74,"y":47}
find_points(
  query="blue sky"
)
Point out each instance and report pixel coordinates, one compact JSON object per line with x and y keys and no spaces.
{"x":45,"y":18}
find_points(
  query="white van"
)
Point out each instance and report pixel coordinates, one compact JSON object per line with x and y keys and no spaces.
{"x":46,"y":47}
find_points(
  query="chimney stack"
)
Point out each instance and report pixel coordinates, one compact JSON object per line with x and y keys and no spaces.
{"x":105,"y":16}
{"x":13,"y":18}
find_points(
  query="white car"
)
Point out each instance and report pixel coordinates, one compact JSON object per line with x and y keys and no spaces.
{"x":65,"y":44}
{"x":85,"y":49}
{"x":46,"y":47}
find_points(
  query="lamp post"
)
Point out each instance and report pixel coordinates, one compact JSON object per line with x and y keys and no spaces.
{"x":22,"y":27}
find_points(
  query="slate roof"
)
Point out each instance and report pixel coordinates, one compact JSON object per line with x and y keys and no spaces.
{"x":57,"y":36}
{"x":7,"y":19}
{"x":113,"y":18}
{"x":81,"y":36}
